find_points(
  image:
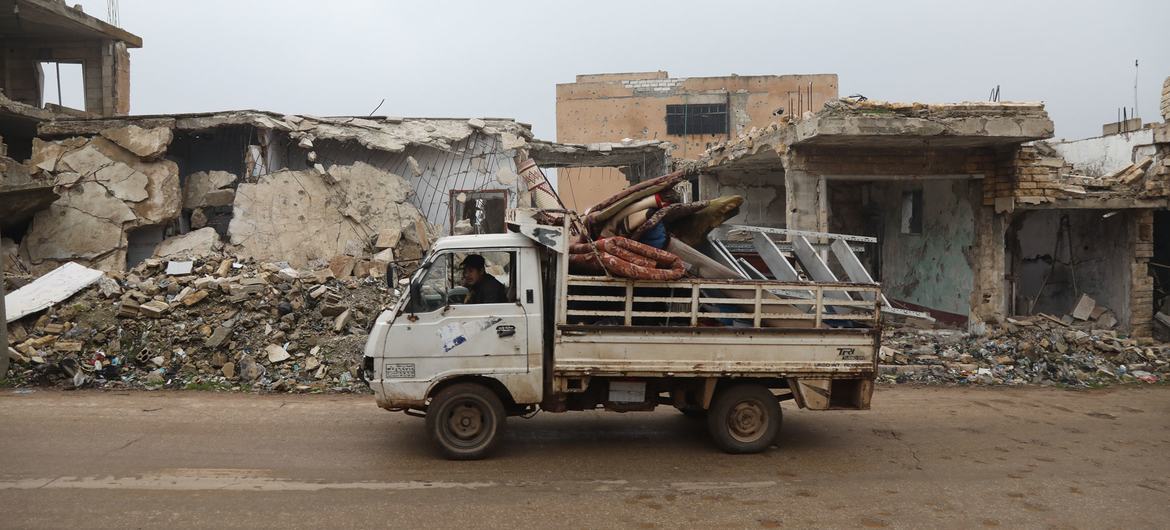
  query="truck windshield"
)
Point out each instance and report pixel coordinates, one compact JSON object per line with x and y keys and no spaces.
{"x":430,"y":287}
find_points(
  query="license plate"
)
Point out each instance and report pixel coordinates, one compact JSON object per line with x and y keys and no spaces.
{"x":399,"y":371}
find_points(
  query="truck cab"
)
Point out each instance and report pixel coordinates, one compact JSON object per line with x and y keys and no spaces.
{"x":436,"y":335}
{"x":436,"y":338}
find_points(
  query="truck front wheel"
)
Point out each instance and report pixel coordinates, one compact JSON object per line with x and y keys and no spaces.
{"x":744,"y":419}
{"x":465,"y":420}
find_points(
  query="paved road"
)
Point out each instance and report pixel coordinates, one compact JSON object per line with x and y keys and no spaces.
{"x":924,"y":457}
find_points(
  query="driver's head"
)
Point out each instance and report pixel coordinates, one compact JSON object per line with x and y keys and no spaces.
{"x":473,"y":269}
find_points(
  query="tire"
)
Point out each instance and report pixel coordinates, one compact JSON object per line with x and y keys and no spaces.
{"x":465,"y":420}
{"x":744,"y":419}
{"x":693,"y":413}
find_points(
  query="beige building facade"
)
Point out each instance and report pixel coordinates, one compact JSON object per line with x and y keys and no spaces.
{"x":691,"y":113}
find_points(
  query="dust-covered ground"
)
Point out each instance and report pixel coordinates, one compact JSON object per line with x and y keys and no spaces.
{"x":923,"y":457}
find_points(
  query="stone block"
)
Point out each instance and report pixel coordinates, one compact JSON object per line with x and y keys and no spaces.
{"x":145,"y":143}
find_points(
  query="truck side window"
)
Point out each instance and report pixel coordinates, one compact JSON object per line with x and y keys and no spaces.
{"x":433,"y":288}
{"x":487,"y":277}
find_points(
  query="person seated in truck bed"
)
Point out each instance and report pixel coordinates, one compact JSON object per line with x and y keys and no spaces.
{"x":483,"y":288}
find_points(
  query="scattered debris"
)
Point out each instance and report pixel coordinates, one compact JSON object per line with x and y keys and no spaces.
{"x":224,"y":323}
{"x":1026,"y":350}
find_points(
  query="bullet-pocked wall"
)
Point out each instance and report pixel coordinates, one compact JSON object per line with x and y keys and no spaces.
{"x":691,"y":113}
{"x":928,"y":231}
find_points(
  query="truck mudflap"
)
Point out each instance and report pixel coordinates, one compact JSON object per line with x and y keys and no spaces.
{"x":832,"y":394}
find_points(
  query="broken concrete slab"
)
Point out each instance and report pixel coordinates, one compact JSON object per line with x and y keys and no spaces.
{"x":364,"y":201}
{"x":46,"y":154}
{"x":221,"y":333}
{"x":388,"y":238}
{"x":179,"y":268}
{"x":1084,"y":308}
{"x":105,"y":191}
{"x":148,"y":144}
{"x":193,"y":298}
{"x":207,"y":188}
{"x":164,"y":199}
{"x":276,"y":353}
{"x":84,"y":223}
{"x":123,"y":181}
{"x":23,"y":192}
{"x":341,"y":266}
{"x":195,"y":244}
{"x":84,"y":161}
{"x":52,"y":288}
{"x":154,"y":308}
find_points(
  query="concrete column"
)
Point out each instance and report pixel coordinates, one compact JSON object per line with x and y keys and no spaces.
{"x":804,"y":197}
{"x":1141,"y":296}
{"x":989,"y":263}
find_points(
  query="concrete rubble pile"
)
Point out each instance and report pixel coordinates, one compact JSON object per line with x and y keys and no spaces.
{"x":1035,"y":350}
{"x":210,"y":323}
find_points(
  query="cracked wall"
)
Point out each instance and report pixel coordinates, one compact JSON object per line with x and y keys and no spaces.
{"x":105,"y":189}
{"x":300,"y":216}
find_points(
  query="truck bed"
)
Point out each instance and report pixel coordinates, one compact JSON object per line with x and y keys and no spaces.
{"x":706,"y":328}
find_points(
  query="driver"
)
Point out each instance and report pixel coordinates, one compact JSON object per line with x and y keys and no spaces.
{"x":483,"y":288}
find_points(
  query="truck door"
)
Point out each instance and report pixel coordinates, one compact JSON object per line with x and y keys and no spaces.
{"x":450,"y":328}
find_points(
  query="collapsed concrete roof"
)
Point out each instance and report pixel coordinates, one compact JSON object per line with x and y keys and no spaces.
{"x":280,"y":186}
{"x":605,"y":154}
{"x":53,"y":20}
{"x":875,"y":124}
{"x":882,"y":124}
{"x":382,"y":133}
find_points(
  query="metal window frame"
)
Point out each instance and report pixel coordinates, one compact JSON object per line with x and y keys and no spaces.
{"x":695,"y":112}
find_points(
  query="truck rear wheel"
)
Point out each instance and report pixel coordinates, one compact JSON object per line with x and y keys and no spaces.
{"x":465,"y":420}
{"x":744,"y":419}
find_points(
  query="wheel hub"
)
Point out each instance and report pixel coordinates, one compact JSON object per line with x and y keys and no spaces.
{"x":747,"y":421}
{"x":466,"y":421}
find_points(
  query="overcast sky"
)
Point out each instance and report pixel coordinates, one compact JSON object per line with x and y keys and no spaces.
{"x":503,"y":59}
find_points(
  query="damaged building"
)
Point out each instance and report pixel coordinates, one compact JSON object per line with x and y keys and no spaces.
{"x":46,"y":34}
{"x":690,"y":113}
{"x":275,"y":187}
{"x":979,"y":216}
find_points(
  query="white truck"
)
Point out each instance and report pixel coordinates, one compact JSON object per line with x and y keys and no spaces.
{"x":729,"y":350}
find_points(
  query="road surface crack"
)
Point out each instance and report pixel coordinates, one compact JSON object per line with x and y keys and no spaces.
{"x":125,"y":445}
{"x":890,"y":433}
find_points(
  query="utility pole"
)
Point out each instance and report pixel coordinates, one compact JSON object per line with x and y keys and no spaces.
{"x":3,"y":325}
